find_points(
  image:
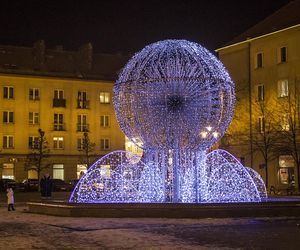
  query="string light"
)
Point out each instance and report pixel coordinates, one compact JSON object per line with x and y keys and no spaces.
{"x":174,"y":99}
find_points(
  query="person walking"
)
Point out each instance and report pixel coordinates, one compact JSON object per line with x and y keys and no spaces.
{"x":46,"y":186}
{"x":10,"y":199}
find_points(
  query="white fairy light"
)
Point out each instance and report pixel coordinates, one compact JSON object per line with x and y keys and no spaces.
{"x":168,"y":99}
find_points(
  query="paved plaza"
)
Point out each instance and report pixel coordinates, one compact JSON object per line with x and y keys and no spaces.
{"x":22,"y":230}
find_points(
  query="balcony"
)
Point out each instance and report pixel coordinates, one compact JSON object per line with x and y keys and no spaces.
{"x":83,"y":104}
{"x":82,"y":127}
{"x":59,"y":103}
{"x":59,"y":127}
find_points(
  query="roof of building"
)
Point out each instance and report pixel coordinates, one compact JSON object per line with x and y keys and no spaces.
{"x":57,"y":62}
{"x":287,"y":16}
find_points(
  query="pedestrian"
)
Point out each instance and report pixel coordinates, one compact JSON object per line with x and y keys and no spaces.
{"x":46,"y":186}
{"x":10,"y":199}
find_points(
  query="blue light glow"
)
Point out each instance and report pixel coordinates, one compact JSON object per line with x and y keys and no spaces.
{"x":174,"y":99}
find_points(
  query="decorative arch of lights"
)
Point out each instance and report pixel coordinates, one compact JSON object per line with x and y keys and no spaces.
{"x":174,"y":99}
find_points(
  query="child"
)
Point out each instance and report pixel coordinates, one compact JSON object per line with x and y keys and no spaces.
{"x":10,"y":199}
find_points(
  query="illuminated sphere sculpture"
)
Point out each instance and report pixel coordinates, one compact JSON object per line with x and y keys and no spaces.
{"x":174,"y":94}
{"x":174,"y":99}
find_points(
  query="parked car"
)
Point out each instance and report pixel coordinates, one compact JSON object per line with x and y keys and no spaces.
{"x":30,"y":185}
{"x":4,"y":183}
{"x":60,"y":185}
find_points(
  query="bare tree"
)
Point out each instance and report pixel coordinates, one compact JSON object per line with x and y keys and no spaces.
{"x":289,"y":129}
{"x":86,"y":147}
{"x":40,"y":151}
{"x":264,"y":134}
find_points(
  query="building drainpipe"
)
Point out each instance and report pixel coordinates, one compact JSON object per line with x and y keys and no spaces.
{"x":250,"y":105}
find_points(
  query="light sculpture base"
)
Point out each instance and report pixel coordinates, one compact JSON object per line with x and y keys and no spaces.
{"x":216,"y":177}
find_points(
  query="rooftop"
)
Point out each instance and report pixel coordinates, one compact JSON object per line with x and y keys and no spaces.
{"x":285,"y":17}
{"x":41,"y":61}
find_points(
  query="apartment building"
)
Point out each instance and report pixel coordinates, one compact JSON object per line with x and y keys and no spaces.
{"x":264,"y":63}
{"x":64,"y":93}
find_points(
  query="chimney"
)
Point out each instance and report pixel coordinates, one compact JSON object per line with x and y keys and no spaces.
{"x":38,"y":52}
{"x":85,"y":57}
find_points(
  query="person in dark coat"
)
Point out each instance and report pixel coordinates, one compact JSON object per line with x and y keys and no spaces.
{"x":46,"y":186}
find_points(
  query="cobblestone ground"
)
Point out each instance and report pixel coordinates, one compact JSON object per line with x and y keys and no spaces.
{"x":22,"y":230}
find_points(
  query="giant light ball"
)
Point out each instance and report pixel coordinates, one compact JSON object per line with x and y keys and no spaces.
{"x":174,"y":94}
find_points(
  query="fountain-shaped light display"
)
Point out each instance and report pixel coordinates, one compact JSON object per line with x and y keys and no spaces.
{"x":174,"y":99}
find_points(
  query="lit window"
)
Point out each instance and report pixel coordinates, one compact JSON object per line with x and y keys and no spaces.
{"x":8,"y":117}
{"x":104,"y":121}
{"x":58,"y":142}
{"x":8,"y":92}
{"x":32,"y":174}
{"x":261,"y":124}
{"x":34,"y":118}
{"x":104,"y":97}
{"x":8,"y":141}
{"x":8,"y":171}
{"x":283,"y":88}
{"x":33,"y":142}
{"x":59,"y":122}
{"x":259,"y":60}
{"x":260,"y":92}
{"x":81,"y":170}
{"x":58,"y":94}
{"x":104,"y":144}
{"x":58,"y":171}
{"x":34,"y":94}
{"x":282,"y":55}
{"x":285,"y":124}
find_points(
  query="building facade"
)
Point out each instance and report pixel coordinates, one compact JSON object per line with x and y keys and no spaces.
{"x":53,"y":90}
{"x":264,"y":63}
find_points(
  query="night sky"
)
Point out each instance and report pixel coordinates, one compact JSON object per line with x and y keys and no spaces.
{"x":127,"y":26}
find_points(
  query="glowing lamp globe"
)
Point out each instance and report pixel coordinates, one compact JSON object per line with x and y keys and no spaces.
{"x":174,"y":94}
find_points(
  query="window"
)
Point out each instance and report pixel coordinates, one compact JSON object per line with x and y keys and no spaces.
{"x":8,"y":171}
{"x":58,"y":122}
{"x":58,"y":171}
{"x":34,"y":94}
{"x":283,"y":88}
{"x":104,"y":144}
{"x":58,"y":94}
{"x":260,"y":92}
{"x":59,"y":100}
{"x":34,"y":118}
{"x":104,"y":121}
{"x":80,"y":143}
{"x":58,"y":142}
{"x":285,"y":124}
{"x":8,"y":92}
{"x":8,"y":117}
{"x":82,"y":101}
{"x":82,"y":125}
{"x":261,"y":124}
{"x":259,"y":60}
{"x":282,"y":55}
{"x":81,"y":170}
{"x":82,"y":95}
{"x":33,"y":142}
{"x":105,"y":97}
{"x":32,"y":174}
{"x":8,"y":141}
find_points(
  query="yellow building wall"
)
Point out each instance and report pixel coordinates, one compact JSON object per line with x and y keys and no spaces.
{"x":240,"y":61}
{"x":21,"y":129}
